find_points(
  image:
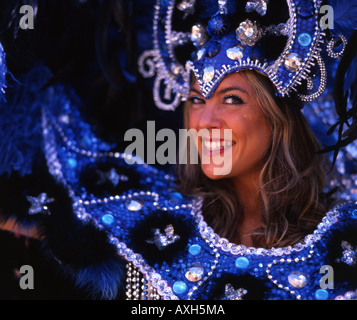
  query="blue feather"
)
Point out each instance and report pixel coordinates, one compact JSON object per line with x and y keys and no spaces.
{"x":20,"y":123}
{"x":3,"y":72}
{"x":345,"y":16}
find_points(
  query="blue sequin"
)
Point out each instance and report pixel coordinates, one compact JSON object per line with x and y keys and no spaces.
{"x":305,"y":39}
{"x":321,"y":294}
{"x":72,"y":162}
{"x":195,"y":249}
{"x":108,"y":219}
{"x":179,"y":287}
{"x":242,"y":263}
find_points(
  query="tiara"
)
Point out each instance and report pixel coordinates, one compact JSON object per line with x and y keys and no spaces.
{"x":284,"y":40}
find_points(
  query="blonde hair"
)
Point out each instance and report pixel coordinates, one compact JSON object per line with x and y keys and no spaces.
{"x":291,"y":181}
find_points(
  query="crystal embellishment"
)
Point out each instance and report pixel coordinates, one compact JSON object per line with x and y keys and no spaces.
{"x":231,"y":294}
{"x":248,"y":33}
{"x":39,"y":203}
{"x":134,"y":205}
{"x":162,"y":240}
{"x":260,"y":6}
{"x":349,"y":254}
{"x":198,"y":35}
{"x":194,"y":273}
{"x":297,"y":279}
{"x":208,"y":74}
{"x":292,"y":62}
{"x":235,"y":53}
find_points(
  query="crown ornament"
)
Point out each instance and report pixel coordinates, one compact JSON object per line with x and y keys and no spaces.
{"x":228,"y":36}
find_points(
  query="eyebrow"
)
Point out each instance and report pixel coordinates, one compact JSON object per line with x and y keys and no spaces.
{"x":222,"y":91}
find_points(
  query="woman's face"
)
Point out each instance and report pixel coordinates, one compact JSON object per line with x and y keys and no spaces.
{"x":232,"y":106}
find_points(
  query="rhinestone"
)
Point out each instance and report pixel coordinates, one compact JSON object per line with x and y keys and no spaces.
{"x":297,"y":279}
{"x":321,"y":294}
{"x":200,"y":54}
{"x":195,"y":249}
{"x":305,"y":9}
{"x":134,"y":204}
{"x":175,"y":68}
{"x":242,"y":263}
{"x":208,"y":74}
{"x":179,"y":287}
{"x":248,"y":33}
{"x":292,"y":62}
{"x":235,"y":53}
{"x":198,"y":35}
{"x":304,"y":39}
{"x":108,"y":219}
{"x":194,"y":273}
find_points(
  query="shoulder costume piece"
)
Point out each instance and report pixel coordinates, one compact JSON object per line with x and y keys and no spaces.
{"x":117,"y":225}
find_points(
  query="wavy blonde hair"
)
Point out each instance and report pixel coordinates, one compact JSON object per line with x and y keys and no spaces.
{"x":291,"y":181}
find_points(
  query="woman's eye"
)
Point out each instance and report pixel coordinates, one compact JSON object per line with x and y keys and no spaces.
{"x":196,"y":100}
{"x":233,"y":99}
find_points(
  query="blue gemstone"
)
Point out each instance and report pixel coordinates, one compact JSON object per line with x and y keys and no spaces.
{"x":213,"y":49}
{"x":321,"y":294}
{"x":72,"y":162}
{"x":305,"y":9}
{"x":179,"y":287}
{"x":304,"y":39}
{"x":354,"y":214}
{"x":242,"y":263}
{"x":195,"y":249}
{"x":108,"y":219}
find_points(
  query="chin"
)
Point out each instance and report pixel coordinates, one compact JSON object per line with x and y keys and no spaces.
{"x":215,"y":172}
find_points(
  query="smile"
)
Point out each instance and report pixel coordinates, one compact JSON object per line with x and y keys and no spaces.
{"x":217,"y":145}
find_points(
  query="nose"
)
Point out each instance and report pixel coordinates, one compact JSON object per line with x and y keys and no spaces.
{"x":209,"y":117}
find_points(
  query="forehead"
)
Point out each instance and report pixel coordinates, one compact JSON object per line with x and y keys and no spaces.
{"x":236,"y":79}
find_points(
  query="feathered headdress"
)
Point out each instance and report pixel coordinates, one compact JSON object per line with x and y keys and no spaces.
{"x":290,"y":41}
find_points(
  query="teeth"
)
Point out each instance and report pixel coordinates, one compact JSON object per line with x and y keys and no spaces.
{"x":216,"y":145}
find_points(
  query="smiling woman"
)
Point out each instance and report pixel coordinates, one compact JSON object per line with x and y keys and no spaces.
{"x":274,"y":194}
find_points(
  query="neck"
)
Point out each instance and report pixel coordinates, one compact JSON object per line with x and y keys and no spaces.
{"x":249,"y":198}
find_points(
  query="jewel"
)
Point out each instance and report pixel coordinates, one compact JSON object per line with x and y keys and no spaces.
{"x":72,"y":162}
{"x":198,"y":35}
{"x":38,"y":204}
{"x":134,"y":204}
{"x":235,"y":53}
{"x":208,"y":74}
{"x":64,"y":118}
{"x":187,"y":6}
{"x":217,"y":25}
{"x":297,"y":279}
{"x":175,"y":69}
{"x":231,"y":294}
{"x":108,"y":219}
{"x":305,"y":9}
{"x":213,"y":49}
{"x":194,"y":273}
{"x":195,"y":249}
{"x":179,"y":287}
{"x":304,"y":39}
{"x":200,"y":53}
{"x":242,"y":263}
{"x":163,"y":240}
{"x":321,"y":294}
{"x":292,"y":62}
{"x":349,"y":254}
{"x":260,"y":6}
{"x":248,"y":33}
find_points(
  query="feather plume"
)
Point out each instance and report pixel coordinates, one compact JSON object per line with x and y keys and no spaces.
{"x":345,"y":16}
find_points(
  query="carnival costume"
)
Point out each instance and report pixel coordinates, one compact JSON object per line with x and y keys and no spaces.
{"x":118,"y":226}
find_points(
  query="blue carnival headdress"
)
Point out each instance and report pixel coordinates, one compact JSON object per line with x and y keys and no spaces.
{"x":281,"y":39}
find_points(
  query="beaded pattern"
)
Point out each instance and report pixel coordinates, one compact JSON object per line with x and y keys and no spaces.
{"x":287,"y":273}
